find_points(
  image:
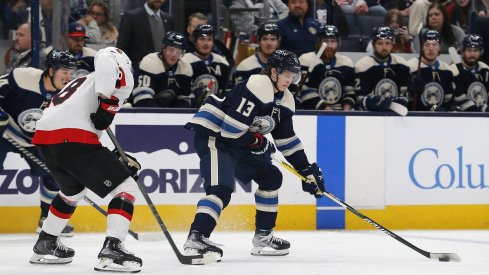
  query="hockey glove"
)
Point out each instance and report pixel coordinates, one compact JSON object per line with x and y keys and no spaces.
{"x":416,"y":86}
{"x":262,"y":147}
{"x":376,"y":103}
{"x":314,"y":183}
{"x":132,"y":165}
{"x":3,"y":121}
{"x":106,"y":111}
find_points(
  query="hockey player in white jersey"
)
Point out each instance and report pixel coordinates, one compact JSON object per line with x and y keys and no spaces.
{"x":68,"y":138}
{"x":24,"y":93}
{"x":230,"y":143}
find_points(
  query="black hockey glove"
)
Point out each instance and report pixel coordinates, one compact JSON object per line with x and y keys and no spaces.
{"x":262,"y":147}
{"x":314,"y":183}
{"x":376,"y":103}
{"x":106,"y":111}
{"x":416,"y":85}
{"x":3,"y":121}
{"x":165,"y":98}
{"x":132,"y":165}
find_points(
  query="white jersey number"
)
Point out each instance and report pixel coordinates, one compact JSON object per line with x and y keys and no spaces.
{"x":245,"y":107}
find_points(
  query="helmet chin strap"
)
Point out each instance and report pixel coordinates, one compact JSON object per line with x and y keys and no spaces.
{"x":51,"y":78}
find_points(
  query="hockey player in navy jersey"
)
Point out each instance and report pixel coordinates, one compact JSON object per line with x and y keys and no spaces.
{"x":68,"y":136}
{"x":432,"y":85}
{"x":206,"y":65}
{"x":24,"y":93}
{"x":330,"y":83}
{"x":230,"y":143}
{"x":268,"y":36}
{"x":163,"y":78}
{"x":381,"y":79}
{"x":471,"y":77}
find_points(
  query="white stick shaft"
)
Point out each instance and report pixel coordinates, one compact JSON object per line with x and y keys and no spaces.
{"x":454,"y":55}
{"x":318,"y":54}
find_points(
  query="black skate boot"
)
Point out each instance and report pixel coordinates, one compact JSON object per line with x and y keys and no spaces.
{"x":114,"y":257}
{"x":197,"y":244}
{"x":266,"y":244}
{"x":49,"y":250}
{"x":67,"y":231}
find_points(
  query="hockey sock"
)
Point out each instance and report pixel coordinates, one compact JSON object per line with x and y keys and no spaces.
{"x":48,"y":191}
{"x":119,"y":215}
{"x":60,"y":212}
{"x":266,"y":209}
{"x":208,"y":212}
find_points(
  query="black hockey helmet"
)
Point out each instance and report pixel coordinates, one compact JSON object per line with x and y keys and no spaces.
{"x":283,"y":60}
{"x":473,"y":41}
{"x":268,"y":29}
{"x":430,"y":35}
{"x":173,"y":39}
{"x":60,"y":59}
{"x":203,"y":30}
{"x":382,"y":33}
{"x":329,"y":31}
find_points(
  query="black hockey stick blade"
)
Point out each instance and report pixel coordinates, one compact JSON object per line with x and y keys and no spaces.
{"x":442,"y":257}
{"x":183,"y":259}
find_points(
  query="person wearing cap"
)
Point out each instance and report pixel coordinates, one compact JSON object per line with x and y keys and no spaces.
{"x":471,"y":77}
{"x":431,"y":86}
{"x":381,"y":79}
{"x":329,"y":85}
{"x":75,"y":40}
{"x":207,"y":66}
{"x":163,"y":78}
{"x":268,"y":36}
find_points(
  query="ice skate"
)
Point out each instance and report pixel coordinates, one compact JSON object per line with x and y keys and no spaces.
{"x":197,"y":244}
{"x":266,"y":244}
{"x":67,"y":231}
{"x":49,"y":250}
{"x":114,"y":257}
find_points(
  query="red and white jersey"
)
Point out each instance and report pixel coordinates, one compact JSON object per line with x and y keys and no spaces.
{"x":67,"y":118}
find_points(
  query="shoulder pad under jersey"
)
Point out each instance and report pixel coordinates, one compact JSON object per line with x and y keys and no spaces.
{"x":28,"y":78}
{"x":152,"y":64}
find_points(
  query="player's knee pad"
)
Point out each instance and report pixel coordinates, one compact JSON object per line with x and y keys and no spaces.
{"x":63,"y":205}
{"x":272,"y":179}
{"x":73,"y":199}
{"x":128,"y":186}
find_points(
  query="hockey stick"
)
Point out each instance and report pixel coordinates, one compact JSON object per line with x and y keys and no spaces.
{"x":207,"y":89}
{"x":184,"y":259}
{"x":420,"y":33}
{"x":7,"y":136}
{"x":442,"y":257}
{"x":309,"y":70}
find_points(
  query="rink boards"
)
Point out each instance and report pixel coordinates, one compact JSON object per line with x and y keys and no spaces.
{"x":415,"y":172}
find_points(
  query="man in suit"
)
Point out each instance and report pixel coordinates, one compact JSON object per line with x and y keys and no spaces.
{"x":134,"y":37}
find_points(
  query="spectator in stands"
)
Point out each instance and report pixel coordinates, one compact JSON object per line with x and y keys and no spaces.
{"x":483,"y":30}
{"x":437,"y":19}
{"x":459,"y":12}
{"x":402,"y":40}
{"x":339,"y":19}
{"x":359,"y":7}
{"x":163,"y":78}
{"x":417,"y":15}
{"x":298,"y":30}
{"x":14,"y":13}
{"x":20,"y":55}
{"x":247,"y":22}
{"x":100,"y":29}
{"x":401,"y":5}
{"x":141,"y":30}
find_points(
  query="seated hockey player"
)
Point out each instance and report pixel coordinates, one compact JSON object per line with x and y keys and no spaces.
{"x":268,"y":36}
{"x":230,"y":143}
{"x":471,"y":77}
{"x":431,"y":87}
{"x":68,"y":136}
{"x":163,"y":78}
{"x":24,"y":93}
{"x":381,"y":79}
{"x":329,"y":85}
{"x":206,"y":65}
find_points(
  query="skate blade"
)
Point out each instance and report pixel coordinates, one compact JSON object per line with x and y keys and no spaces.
{"x":208,"y":257}
{"x":262,"y":251}
{"x":49,"y":259}
{"x":108,"y":265}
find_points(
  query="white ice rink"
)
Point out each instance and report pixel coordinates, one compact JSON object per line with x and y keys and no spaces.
{"x":312,"y":252}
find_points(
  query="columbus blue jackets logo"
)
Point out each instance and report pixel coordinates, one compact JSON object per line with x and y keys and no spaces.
{"x":201,"y":83}
{"x":433,"y":94}
{"x":330,"y":90}
{"x":477,"y":93}
{"x":28,"y":118}
{"x":386,"y":88}
{"x":262,"y":125}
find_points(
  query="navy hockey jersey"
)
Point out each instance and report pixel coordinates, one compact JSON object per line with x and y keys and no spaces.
{"x":214,"y":67}
{"x":250,"y":107}
{"x":471,"y":86}
{"x":248,"y":67}
{"x":328,"y":85}
{"x":153,"y":79}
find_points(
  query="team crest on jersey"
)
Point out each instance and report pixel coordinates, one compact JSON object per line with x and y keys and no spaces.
{"x":433,"y":94}
{"x":201,"y":83}
{"x":330,"y":90}
{"x":28,"y":118}
{"x":80,"y":73}
{"x":386,"y":88}
{"x":262,"y":125}
{"x":477,"y":93}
